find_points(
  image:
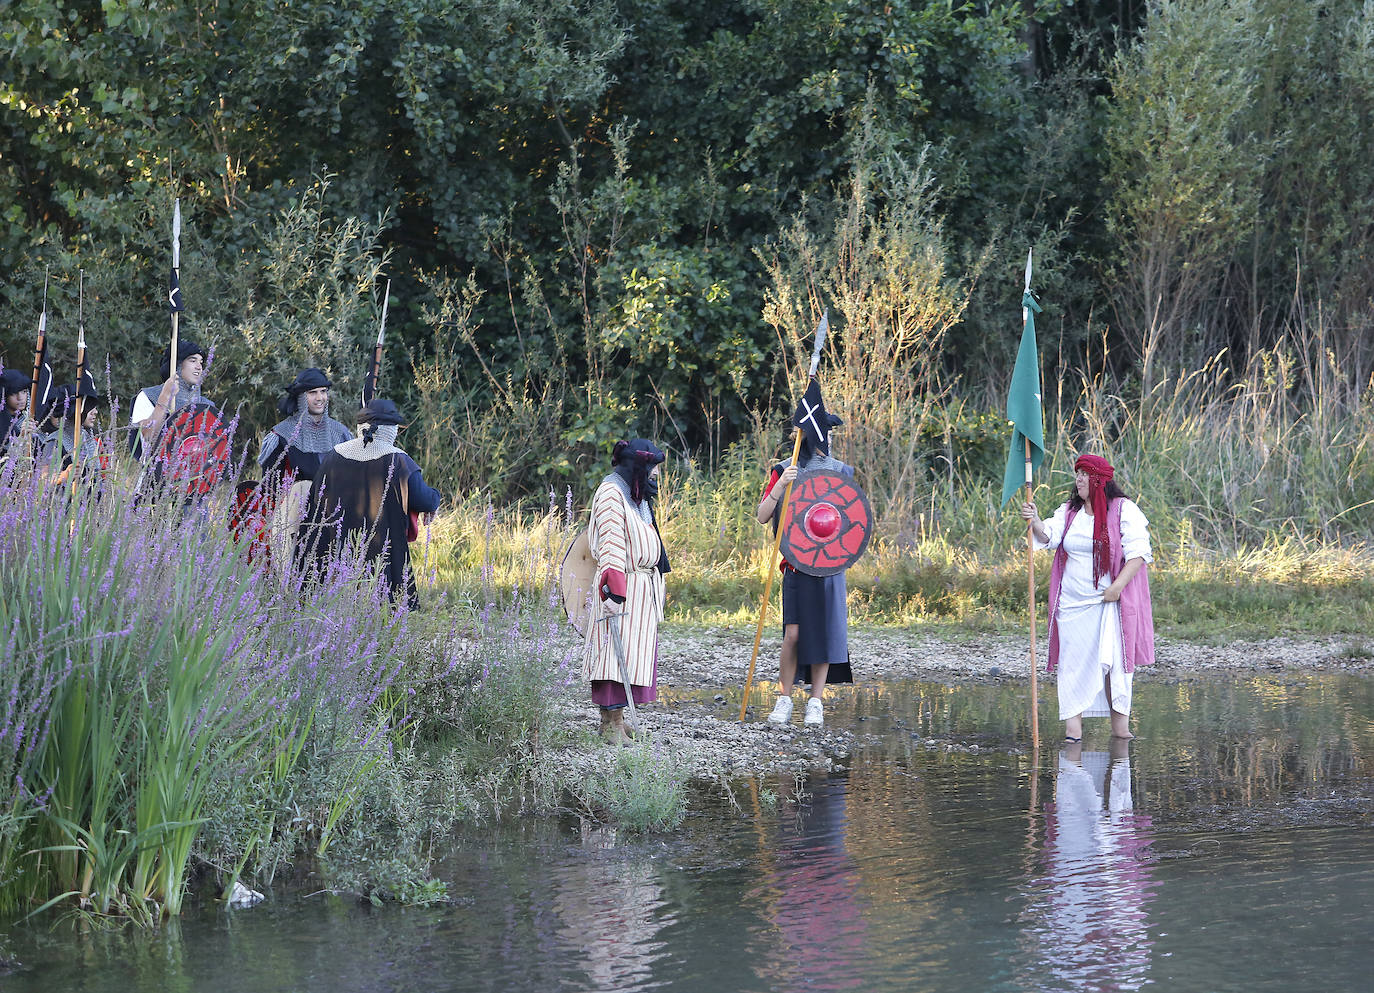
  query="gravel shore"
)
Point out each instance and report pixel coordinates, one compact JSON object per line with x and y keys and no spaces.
{"x":702,"y":670}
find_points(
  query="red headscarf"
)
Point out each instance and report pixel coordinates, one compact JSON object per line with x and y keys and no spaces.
{"x":1100,"y":473}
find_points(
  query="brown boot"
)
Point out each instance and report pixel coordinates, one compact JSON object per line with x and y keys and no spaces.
{"x":619,"y":733}
{"x":606,"y":719}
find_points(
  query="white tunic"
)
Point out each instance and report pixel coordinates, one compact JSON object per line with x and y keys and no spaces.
{"x":1090,"y":629}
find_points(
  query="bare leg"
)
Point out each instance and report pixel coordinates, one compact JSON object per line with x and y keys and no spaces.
{"x":818,"y":673}
{"x":1073,"y":728}
{"x":787,"y":669}
{"x":1121,"y":723}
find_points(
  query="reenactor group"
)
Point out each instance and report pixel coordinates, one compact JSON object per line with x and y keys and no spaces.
{"x":317,"y":474}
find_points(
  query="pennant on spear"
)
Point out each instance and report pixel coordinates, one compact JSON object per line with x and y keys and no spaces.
{"x":174,"y":301}
{"x":808,"y":419}
{"x":1026,"y":454}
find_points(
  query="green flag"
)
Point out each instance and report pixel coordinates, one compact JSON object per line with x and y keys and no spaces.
{"x":1023,"y":407}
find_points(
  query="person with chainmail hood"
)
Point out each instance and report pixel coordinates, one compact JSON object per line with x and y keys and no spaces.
{"x":631,"y":562}
{"x":297,"y":444}
{"x":815,"y":611}
{"x":290,"y":456}
{"x":365,"y":491}
{"x":59,"y":442}
{"x":155,"y":406}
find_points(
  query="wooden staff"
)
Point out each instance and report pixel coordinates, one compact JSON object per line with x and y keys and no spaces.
{"x":80,"y":373}
{"x":768,"y":583}
{"x":1030,"y":601}
{"x":40,"y":353}
{"x":175,"y":303}
{"x":1030,"y":567}
{"x":374,"y":369}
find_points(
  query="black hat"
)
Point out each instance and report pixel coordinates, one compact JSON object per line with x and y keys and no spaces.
{"x":380,"y":412}
{"x":62,"y":398}
{"x":185,"y":349}
{"x":14,"y":381}
{"x":307,"y":380}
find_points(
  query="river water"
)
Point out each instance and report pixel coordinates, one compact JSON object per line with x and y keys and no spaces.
{"x":1229,"y":847}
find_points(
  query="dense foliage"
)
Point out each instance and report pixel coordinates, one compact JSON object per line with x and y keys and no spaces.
{"x":605,"y":213}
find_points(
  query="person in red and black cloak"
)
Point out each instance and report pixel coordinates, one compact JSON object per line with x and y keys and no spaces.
{"x":365,"y":490}
{"x":308,"y":433}
{"x":815,"y":612}
{"x":630,"y":565}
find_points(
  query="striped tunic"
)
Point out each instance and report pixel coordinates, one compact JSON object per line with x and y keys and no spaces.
{"x":620,"y":538}
{"x":1089,"y":630}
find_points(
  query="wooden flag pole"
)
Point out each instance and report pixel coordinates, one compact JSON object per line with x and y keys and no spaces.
{"x":1030,"y":561}
{"x":768,"y":582}
{"x":1030,"y":602}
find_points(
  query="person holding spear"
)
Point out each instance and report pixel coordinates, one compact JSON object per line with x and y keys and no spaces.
{"x":815,"y":618}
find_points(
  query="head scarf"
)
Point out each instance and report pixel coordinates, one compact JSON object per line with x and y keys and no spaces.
{"x":632,"y":460}
{"x":1100,"y":473}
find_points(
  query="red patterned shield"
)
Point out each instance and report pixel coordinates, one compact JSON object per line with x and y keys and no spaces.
{"x":829,"y":523}
{"x":194,"y":451}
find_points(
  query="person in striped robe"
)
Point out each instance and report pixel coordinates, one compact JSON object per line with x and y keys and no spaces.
{"x":630,"y":565}
{"x":1101,"y":622}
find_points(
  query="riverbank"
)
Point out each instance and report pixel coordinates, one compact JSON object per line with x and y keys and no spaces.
{"x":702,"y":669}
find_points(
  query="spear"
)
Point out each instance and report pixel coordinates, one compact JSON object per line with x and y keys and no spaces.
{"x":821,"y":330}
{"x":40,"y":355}
{"x":174,"y":301}
{"x":374,"y":370}
{"x":80,"y":370}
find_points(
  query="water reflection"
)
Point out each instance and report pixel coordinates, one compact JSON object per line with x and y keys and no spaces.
{"x":610,"y":913}
{"x":1090,"y":907}
{"x":812,"y":894}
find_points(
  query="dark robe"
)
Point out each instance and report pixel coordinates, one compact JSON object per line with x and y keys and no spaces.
{"x":9,"y":427}
{"x":352,"y":497}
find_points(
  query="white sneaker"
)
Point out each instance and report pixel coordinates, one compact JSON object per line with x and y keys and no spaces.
{"x":815,"y":713}
{"x":782,"y":711}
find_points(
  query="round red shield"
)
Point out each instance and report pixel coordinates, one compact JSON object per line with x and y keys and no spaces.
{"x":828,"y":524}
{"x":194,"y":450}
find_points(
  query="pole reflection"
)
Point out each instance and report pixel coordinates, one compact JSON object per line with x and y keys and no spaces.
{"x":1089,"y":913}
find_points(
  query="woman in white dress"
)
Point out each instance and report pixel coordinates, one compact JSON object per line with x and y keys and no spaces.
{"x":1101,"y":624}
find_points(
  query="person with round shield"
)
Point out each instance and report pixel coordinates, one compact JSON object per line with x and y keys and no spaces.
{"x":621,"y":647}
{"x":366,"y":490}
{"x":297,"y":444}
{"x":815,"y":611}
{"x":155,"y":406}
